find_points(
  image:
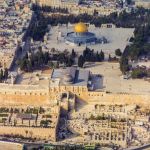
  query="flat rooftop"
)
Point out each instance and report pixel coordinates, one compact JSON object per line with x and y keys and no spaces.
{"x":79,"y":77}
{"x":39,"y":78}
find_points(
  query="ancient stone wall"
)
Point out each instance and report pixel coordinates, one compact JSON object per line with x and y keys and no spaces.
{"x":39,"y":96}
{"x":116,"y":98}
{"x":36,"y":100}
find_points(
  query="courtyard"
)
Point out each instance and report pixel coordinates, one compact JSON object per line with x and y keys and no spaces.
{"x":113,"y":79}
{"x":117,"y":38}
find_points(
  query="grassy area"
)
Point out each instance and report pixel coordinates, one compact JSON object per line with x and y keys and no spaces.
{"x":3,"y":115}
{"x":91,"y":147}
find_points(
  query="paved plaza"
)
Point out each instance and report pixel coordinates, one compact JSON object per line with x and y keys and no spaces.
{"x":113,"y":80}
{"x":117,"y":38}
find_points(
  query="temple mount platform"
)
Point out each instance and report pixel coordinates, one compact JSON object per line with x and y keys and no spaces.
{"x":116,"y":38}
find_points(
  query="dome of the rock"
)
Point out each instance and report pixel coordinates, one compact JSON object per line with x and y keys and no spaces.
{"x":80,"y":28}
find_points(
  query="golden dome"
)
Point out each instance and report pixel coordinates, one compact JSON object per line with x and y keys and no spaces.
{"x":80,"y":28}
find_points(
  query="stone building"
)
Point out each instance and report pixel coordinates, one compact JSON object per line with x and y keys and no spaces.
{"x":143,"y":3}
{"x":81,"y":36}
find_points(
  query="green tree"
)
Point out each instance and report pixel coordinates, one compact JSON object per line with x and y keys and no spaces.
{"x":69,"y":62}
{"x":23,"y":64}
{"x":138,"y":73}
{"x":1,"y":75}
{"x":92,"y":117}
{"x":129,"y":2}
{"x":118,"y":52}
{"x":98,"y":58}
{"x":6,"y":73}
{"x":109,"y":58}
{"x":46,"y":57}
{"x":102,"y":55}
{"x":73,"y":54}
{"x":51,"y":64}
{"x":124,"y":66}
{"x":81,"y":61}
{"x":29,"y":66}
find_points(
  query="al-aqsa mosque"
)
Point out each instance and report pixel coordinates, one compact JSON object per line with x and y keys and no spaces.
{"x":81,"y":36}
